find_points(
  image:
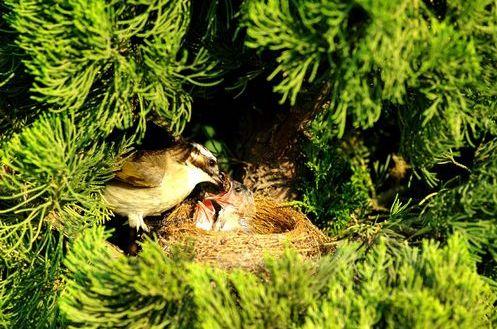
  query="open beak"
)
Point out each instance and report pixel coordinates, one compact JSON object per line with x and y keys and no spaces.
{"x":206,"y":206}
{"x":204,"y":210}
{"x":223,"y":199}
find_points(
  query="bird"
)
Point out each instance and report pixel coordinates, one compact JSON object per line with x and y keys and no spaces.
{"x":204,"y":215}
{"x":151,"y":182}
{"x":237,"y":208}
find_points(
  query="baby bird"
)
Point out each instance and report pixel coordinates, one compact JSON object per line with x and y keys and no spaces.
{"x":237,"y":209}
{"x":152,"y":182}
{"x":204,"y":215}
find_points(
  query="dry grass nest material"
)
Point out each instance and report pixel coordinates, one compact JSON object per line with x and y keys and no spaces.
{"x":275,"y":228}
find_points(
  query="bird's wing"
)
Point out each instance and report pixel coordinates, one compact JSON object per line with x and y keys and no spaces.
{"x":144,"y":169}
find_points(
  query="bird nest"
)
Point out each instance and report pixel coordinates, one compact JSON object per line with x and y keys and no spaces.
{"x":274,"y":228}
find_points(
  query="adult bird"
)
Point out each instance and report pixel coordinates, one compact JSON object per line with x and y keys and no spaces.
{"x":152,"y":182}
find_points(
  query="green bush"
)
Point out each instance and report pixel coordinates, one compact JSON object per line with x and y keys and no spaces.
{"x":399,"y":165}
{"x":416,"y":287}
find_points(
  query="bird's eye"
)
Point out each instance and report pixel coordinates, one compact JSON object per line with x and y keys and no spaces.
{"x":212,"y":162}
{"x":238,"y":189}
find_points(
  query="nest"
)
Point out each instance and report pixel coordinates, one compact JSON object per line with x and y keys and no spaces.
{"x":274,"y":228}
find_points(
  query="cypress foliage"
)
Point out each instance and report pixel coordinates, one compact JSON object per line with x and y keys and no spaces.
{"x":469,"y":207}
{"x":433,"y":70}
{"x":118,"y":62}
{"x":342,"y":290}
{"x":400,"y":166}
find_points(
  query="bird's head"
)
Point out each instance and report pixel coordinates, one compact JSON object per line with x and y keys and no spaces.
{"x":237,"y":195}
{"x":203,"y":165}
{"x":204,"y":215}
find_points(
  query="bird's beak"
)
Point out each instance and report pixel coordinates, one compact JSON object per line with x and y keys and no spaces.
{"x":216,"y":179}
{"x":204,"y":215}
{"x":206,"y":207}
{"x":222,"y":199}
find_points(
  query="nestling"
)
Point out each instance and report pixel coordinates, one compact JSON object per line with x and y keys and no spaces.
{"x":204,"y":215}
{"x":237,"y":208}
{"x":152,"y":182}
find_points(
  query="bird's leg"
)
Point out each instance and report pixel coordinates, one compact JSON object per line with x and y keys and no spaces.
{"x":136,"y":220}
{"x":132,"y":245}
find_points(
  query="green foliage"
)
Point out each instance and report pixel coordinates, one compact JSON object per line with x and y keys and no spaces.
{"x":52,"y":174}
{"x":425,"y":69}
{"x":432,"y":287}
{"x":434,"y":69}
{"x":96,"y":66}
{"x":16,"y":109}
{"x":278,"y":300}
{"x":51,"y":177}
{"x":33,"y":288}
{"x":470,"y":206}
{"x":108,"y":289}
{"x":343,"y":290}
{"x":413,"y":78}
{"x":116,"y":61}
{"x":338,"y":186}
{"x":4,"y":318}
{"x":442,"y":282}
